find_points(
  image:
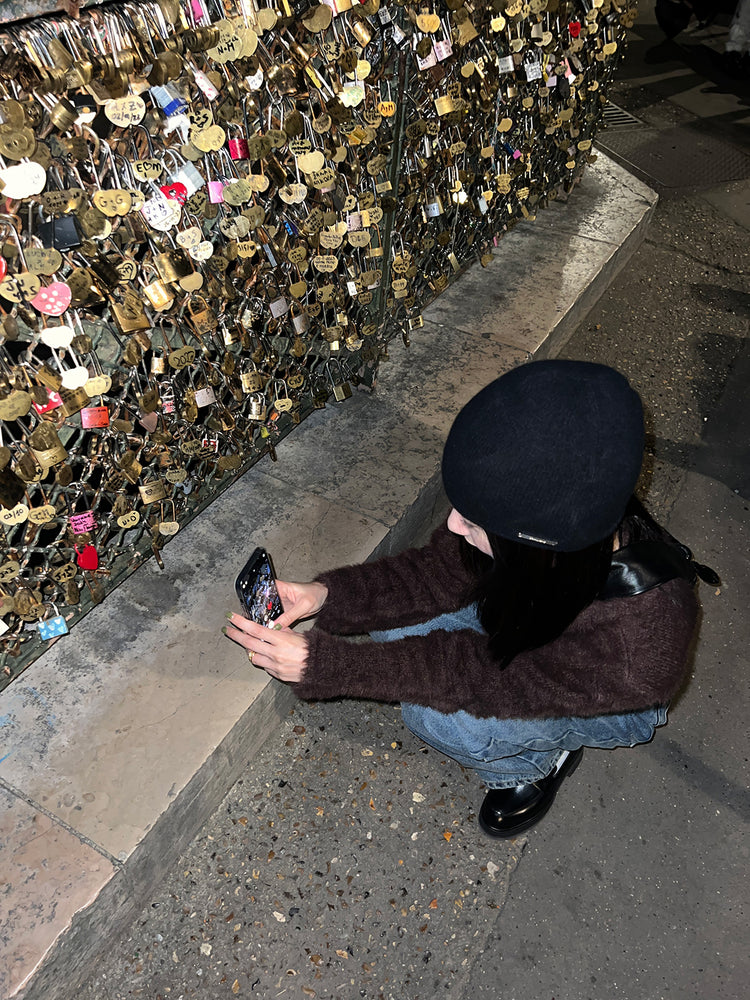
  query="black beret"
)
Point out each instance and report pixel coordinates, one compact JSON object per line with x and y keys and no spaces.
{"x":548,"y":454}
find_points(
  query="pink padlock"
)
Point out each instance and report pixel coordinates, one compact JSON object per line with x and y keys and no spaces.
{"x":215,"y":192}
{"x":85,"y":521}
{"x":238,"y":147}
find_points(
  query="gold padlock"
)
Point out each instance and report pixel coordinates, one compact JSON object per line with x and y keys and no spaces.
{"x":158,"y":295}
{"x":153,"y":491}
{"x":63,"y":116}
{"x":130,"y":466}
{"x":172,"y":265}
{"x":47,"y":447}
{"x":73,"y":401}
{"x":202,"y":318}
{"x":129,"y":315}
{"x":28,"y":469}
{"x":251,"y":381}
{"x":444,"y":104}
{"x":45,"y":375}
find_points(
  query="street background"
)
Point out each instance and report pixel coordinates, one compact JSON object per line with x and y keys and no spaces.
{"x":347,"y":862}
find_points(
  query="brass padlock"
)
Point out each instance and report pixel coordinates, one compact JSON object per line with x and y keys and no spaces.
{"x":158,"y":295}
{"x":172,"y":265}
{"x":130,"y":466}
{"x":149,"y":401}
{"x":45,"y":443}
{"x":73,"y":401}
{"x":106,"y":275}
{"x":230,"y":335}
{"x":202,"y":317}
{"x":341,"y":388}
{"x":153,"y":491}
{"x":28,"y":469}
{"x":251,"y":381}
{"x":129,"y":315}
{"x":52,"y":379}
{"x":158,"y":364}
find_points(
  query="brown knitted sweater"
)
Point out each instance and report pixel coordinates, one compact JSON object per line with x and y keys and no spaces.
{"x":619,"y":655}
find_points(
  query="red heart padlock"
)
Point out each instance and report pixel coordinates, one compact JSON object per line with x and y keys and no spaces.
{"x":176,"y":191}
{"x":574,"y":28}
{"x":3,"y":267}
{"x":88,"y":557}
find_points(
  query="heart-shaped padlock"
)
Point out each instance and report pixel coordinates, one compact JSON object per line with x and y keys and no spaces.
{"x":88,"y":557}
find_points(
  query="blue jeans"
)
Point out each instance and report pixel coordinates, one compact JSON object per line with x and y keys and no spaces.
{"x":509,"y":752}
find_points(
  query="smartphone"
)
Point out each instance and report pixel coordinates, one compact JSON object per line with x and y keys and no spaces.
{"x":256,"y":589}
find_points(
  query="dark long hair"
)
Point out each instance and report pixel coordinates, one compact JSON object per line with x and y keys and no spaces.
{"x":529,"y":596}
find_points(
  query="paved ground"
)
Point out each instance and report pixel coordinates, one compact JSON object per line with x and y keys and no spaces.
{"x":347,"y":863}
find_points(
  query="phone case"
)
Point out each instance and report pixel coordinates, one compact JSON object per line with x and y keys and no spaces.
{"x":256,"y":589}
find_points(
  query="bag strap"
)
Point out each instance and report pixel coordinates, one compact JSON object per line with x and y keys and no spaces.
{"x":644,"y":565}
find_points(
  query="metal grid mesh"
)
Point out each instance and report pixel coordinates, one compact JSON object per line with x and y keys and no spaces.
{"x":680,"y":157}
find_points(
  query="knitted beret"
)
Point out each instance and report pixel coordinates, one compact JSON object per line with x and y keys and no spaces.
{"x":548,"y":454}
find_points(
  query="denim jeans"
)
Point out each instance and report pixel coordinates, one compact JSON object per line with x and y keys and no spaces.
{"x":509,"y":752}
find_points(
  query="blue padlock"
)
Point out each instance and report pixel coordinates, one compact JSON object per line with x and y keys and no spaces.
{"x":52,"y":627}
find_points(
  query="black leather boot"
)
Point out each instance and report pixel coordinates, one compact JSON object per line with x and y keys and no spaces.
{"x":507,"y":812}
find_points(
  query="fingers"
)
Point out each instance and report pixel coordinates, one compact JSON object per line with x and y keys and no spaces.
{"x":279,"y":651}
{"x":292,"y":603}
{"x":248,"y":626}
{"x":287,"y":619}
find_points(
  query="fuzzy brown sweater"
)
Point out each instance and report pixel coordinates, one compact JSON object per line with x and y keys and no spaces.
{"x":619,"y":655}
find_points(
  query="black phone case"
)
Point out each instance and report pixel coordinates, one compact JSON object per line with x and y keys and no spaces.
{"x":248,"y":582}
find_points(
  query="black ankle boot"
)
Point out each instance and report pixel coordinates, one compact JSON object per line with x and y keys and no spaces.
{"x":507,"y":812}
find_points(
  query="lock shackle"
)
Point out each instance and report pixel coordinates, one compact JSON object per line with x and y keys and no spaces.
{"x":225,"y":158}
{"x":174,"y":159}
{"x":7,"y":220}
{"x":273,"y":103}
{"x":332,"y":361}
{"x":112,"y":163}
{"x":56,"y":173}
{"x":160,"y":324}
{"x":244,"y":102}
{"x":149,"y":141}
{"x":124,"y":166}
{"x":276,"y":391}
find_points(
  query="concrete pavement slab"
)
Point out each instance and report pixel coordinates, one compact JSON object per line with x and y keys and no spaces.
{"x":47,"y":875}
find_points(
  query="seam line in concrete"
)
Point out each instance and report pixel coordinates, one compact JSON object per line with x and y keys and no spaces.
{"x":314,"y":492}
{"x":501,"y":344}
{"x":590,"y":239}
{"x":12,"y":790}
{"x":691,"y":256}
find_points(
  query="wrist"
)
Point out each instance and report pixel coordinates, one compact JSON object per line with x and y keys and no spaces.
{"x":321,"y":594}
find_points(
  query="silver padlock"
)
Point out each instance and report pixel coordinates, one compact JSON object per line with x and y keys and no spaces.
{"x":258,"y":407}
{"x":433,"y":206}
{"x":300,"y":320}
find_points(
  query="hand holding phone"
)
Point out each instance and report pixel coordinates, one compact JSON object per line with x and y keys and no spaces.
{"x":301,"y":600}
{"x":257,"y":591}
